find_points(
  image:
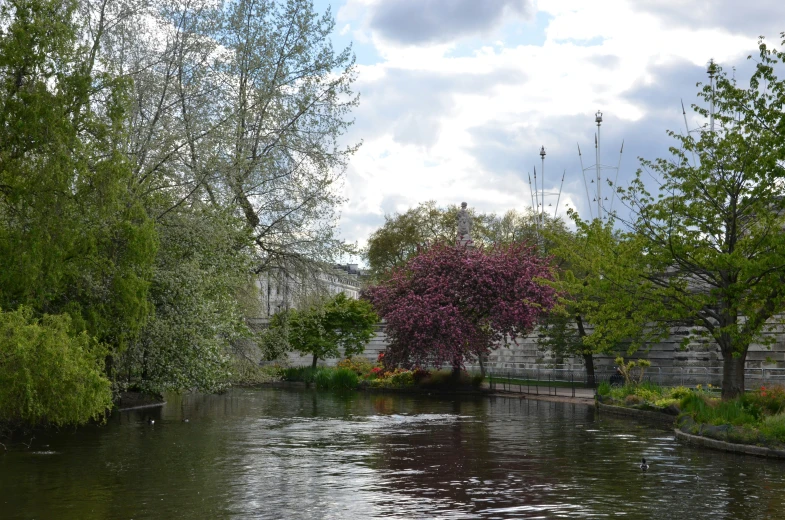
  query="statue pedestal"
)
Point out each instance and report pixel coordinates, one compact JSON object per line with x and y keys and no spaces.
{"x":465,"y":241}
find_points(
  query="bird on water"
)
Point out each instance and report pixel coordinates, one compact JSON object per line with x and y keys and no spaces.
{"x":644,"y":466}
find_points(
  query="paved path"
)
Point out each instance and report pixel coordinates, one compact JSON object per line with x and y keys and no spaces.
{"x":544,"y":393}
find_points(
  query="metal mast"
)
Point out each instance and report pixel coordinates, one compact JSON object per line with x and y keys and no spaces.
{"x":711,"y":71}
{"x":597,"y":168}
{"x":598,"y":120}
{"x":542,"y":183}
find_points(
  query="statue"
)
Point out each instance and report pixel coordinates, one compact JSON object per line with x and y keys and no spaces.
{"x":464,"y":226}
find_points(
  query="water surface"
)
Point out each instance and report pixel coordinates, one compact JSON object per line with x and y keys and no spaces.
{"x":274,"y":453}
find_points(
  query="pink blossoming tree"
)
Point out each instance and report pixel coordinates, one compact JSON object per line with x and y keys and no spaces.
{"x":449,"y":304}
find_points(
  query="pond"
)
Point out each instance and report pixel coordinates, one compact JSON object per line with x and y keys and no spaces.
{"x":279,"y":453}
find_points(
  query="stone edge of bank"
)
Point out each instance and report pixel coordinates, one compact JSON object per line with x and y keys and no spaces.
{"x":746,"y":449}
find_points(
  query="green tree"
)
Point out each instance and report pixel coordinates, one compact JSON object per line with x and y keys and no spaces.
{"x":606,"y":306}
{"x":329,"y":328}
{"x":713,"y":236}
{"x":74,"y":237}
{"x":404,"y":234}
{"x":202,"y":275}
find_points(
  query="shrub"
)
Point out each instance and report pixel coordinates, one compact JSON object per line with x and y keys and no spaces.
{"x":343,"y":379}
{"x":773,"y":426}
{"x":714,"y":411}
{"x":48,"y":373}
{"x":402,"y":378}
{"x":358,"y":364}
{"x":665,"y":402}
{"x":322,"y":378}
{"x":604,"y":388}
{"x":305,"y":374}
{"x":445,"y":379}
{"x":771,"y":399}
{"x":647,"y":394}
{"x":632,"y":370}
{"x":679,"y":392}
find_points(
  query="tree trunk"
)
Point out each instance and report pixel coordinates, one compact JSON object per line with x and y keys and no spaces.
{"x":482,"y":365}
{"x":588,"y":361}
{"x":456,"y":370}
{"x":732,"y":374}
{"x":315,"y":359}
{"x":588,"y":358}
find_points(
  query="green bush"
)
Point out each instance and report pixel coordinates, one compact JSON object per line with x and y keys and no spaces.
{"x":665,"y":402}
{"x":344,"y":379}
{"x":679,"y":392}
{"x":708,"y":410}
{"x":322,"y":378}
{"x":304,"y":374}
{"x":405,"y":378}
{"x":604,"y":388}
{"x":773,"y":426}
{"x":48,"y":373}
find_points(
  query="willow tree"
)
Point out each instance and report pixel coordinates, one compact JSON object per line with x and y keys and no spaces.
{"x":713,"y":235}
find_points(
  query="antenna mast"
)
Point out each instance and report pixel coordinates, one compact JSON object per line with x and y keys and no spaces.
{"x":712,"y":70}
{"x":542,"y":183}
{"x":597,"y":169}
{"x":598,"y":120}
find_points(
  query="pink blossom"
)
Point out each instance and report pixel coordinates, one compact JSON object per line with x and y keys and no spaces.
{"x":450,"y":303}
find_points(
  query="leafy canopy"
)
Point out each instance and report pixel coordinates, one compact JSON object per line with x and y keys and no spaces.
{"x":713,"y":235}
{"x":449,"y":303}
{"x":329,"y":328}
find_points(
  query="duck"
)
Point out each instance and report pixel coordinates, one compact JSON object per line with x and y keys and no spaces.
{"x":644,"y":466}
{"x":150,"y":421}
{"x":186,"y":420}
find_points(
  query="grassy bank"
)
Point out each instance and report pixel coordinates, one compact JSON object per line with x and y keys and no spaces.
{"x":756,"y":417}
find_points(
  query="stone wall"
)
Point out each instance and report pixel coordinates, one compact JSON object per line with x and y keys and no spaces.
{"x":698,"y":363}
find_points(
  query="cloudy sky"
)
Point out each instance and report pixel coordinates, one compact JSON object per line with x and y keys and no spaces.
{"x":458,"y":96}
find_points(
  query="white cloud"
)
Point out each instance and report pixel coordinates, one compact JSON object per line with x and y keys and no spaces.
{"x":452,"y":126}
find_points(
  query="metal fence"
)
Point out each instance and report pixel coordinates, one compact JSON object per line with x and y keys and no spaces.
{"x":553,"y":380}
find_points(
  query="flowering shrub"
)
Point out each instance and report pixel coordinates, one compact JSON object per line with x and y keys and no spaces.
{"x":359,"y":365}
{"x":769,"y":398}
{"x":400,"y":377}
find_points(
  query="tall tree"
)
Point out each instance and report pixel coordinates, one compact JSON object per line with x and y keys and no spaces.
{"x":74,"y":237}
{"x":241,"y":105}
{"x":404,"y":234}
{"x":448,"y":303}
{"x":605,"y":305}
{"x":236,"y":112}
{"x":713,"y":236}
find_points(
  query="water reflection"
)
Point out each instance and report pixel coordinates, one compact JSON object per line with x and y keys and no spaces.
{"x":298,"y":454}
